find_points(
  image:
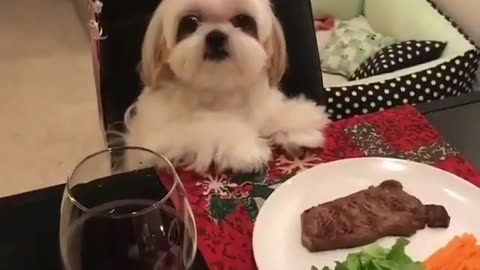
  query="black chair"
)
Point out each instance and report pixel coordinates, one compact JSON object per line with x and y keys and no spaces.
{"x":124,"y":24}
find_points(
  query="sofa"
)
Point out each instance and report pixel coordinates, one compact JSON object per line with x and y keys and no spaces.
{"x":450,"y":75}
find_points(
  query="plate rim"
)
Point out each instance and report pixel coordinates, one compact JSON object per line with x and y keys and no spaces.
{"x":255,"y":237}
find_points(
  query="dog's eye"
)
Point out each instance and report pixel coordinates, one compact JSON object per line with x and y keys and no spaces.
{"x":246,"y":23}
{"x":188,"y":24}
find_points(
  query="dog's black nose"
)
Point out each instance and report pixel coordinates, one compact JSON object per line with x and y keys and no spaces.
{"x":216,"y":38}
{"x":216,"y":43}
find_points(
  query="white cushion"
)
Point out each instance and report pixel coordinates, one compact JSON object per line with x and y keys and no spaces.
{"x":331,"y":80}
{"x":323,"y":36}
{"x":350,"y":44}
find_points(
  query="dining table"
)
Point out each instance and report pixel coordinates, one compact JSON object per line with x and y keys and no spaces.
{"x":29,"y":222}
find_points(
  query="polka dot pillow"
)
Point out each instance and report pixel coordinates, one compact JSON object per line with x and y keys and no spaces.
{"x":399,"y":56}
{"x":450,"y":78}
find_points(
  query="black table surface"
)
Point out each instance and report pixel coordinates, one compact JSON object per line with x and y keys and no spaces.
{"x":29,"y":221}
{"x":458,"y":120}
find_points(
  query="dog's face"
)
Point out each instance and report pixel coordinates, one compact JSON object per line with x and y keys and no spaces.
{"x":213,"y":44}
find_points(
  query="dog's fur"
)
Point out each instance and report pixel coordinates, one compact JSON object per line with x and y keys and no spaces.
{"x":228,"y":113}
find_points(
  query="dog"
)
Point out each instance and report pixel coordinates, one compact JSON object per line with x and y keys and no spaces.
{"x":211,"y":70}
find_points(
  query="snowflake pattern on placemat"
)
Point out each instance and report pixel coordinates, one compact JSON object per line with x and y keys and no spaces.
{"x":288,"y":164}
{"x":225,"y":192}
{"x":217,"y":184}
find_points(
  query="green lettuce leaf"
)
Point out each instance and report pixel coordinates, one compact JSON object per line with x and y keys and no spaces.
{"x":375,"y":251}
{"x":397,"y":252}
{"x":353,"y":262}
{"x":414,"y":266}
{"x":375,"y":257}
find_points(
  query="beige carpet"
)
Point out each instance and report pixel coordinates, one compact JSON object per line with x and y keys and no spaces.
{"x":48,"y":107}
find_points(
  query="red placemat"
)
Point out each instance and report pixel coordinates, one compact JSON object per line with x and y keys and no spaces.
{"x":225,"y":206}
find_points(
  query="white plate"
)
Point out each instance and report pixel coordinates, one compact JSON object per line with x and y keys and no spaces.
{"x":276,"y":236}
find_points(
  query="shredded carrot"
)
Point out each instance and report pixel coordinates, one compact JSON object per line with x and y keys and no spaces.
{"x":461,"y":253}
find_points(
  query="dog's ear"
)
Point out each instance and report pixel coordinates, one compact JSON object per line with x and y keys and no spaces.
{"x":277,"y":53}
{"x":154,"y":52}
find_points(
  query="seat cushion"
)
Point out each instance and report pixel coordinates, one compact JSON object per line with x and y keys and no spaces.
{"x":399,"y":56}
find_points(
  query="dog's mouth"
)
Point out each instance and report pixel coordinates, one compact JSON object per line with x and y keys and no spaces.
{"x":215,"y":54}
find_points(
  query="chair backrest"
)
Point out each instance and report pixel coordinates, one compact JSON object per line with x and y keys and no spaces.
{"x":124,"y":23}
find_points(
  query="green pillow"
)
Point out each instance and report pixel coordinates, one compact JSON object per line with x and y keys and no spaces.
{"x":351,"y":44}
{"x":340,"y":9}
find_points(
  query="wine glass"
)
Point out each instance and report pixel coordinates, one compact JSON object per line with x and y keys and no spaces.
{"x":123,"y":215}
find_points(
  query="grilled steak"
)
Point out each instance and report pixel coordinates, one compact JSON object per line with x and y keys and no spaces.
{"x":366,"y":216}
{"x":437,"y":216}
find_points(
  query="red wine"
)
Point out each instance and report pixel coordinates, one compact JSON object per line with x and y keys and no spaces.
{"x":126,"y":235}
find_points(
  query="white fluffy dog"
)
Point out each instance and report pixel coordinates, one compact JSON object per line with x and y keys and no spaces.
{"x":211,"y":70}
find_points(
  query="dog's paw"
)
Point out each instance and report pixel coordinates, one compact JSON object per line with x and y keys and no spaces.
{"x":305,"y":131}
{"x":201,"y":161}
{"x":244,"y":155}
{"x":308,"y":118}
{"x":299,"y":122}
{"x":293,"y":141}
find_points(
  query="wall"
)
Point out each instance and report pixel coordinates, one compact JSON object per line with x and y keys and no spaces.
{"x":465,"y":13}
